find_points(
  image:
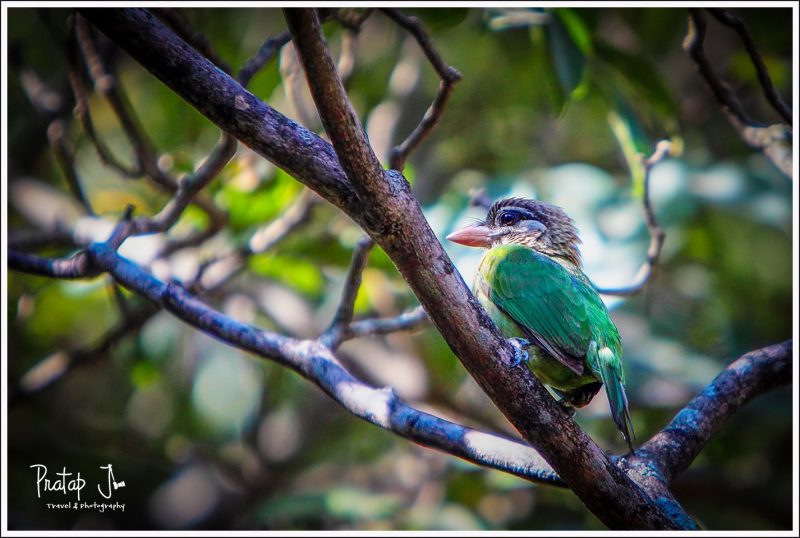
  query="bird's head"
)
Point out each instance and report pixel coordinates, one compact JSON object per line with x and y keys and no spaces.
{"x":543,"y":227}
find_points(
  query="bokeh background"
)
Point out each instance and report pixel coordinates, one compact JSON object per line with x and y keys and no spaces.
{"x":550,"y":104}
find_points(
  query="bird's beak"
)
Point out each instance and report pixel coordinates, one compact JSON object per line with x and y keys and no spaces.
{"x":476,"y":235}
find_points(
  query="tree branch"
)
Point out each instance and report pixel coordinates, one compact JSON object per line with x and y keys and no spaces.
{"x":773,"y":141}
{"x":657,"y":235}
{"x":448,"y":75}
{"x":50,"y":104}
{"x":727,"y":18}
{"x":333,"y":335}
{"x":265,"y":54}
{"x":678,"y":444}
{"x":404,"y":322}
{"x":78,"y":266}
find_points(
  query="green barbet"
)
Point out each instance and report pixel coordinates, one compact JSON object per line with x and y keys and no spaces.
{"x":531,"y":284}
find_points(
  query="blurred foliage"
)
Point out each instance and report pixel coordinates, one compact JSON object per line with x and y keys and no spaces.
{"x":554,"y":103}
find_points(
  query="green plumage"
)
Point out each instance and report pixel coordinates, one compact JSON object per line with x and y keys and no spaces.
{"x":576,"y":345}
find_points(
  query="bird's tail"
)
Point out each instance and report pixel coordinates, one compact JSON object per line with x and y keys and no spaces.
{"x":610,"y":369}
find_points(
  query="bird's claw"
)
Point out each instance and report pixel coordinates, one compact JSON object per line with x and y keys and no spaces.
{"x":570,"y":409}
{"x":520,"y":355}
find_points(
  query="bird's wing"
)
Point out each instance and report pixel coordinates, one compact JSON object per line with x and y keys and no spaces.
{"x":556,"y":309}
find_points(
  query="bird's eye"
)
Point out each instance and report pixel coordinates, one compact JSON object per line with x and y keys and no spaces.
{"x":507,"y":218}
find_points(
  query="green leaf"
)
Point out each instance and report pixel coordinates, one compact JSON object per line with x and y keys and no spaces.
{"x":576,"y":28}
{"x":632,"y":140}
{"x":641,"y":75}
{"x":543,"y":63}
{"x":248,"y":208}
{"x":565,"y":61}
{"x":568,"y":59}
{"x":300,"y":274}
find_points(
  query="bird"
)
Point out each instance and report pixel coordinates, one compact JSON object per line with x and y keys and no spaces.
{"x":530,"y":281}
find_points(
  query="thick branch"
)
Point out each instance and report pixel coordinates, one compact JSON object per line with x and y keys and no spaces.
{"x":677,"y":445}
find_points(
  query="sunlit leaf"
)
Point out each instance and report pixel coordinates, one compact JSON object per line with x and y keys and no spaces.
{"x":633,"y":141}
{"x":251,"y":208}
{"x":576,"y":28}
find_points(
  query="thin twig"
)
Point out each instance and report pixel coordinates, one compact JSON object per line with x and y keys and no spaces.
{"x":83,"y":112}
{"x":66,"y":161}
{"x":146,"y":160}
{"x":265,"y":54}
{"x":693,"y":44}
{"x":425,"y":126}
{"x":49,"y":370}
{"x":184,"y":193}
{"x":332,"y":336}
{"x":657,"y":234}
{"x":415,"y":28}
{"x":51,"y":105}
{"x":773,"y":141}
{"x":407,"y":321}
{"x":105,"y":84}
{"x":727,"y":18}
{"x":264,"y":239}
{"x":222,"y":153}
{"x":448,"y":75}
